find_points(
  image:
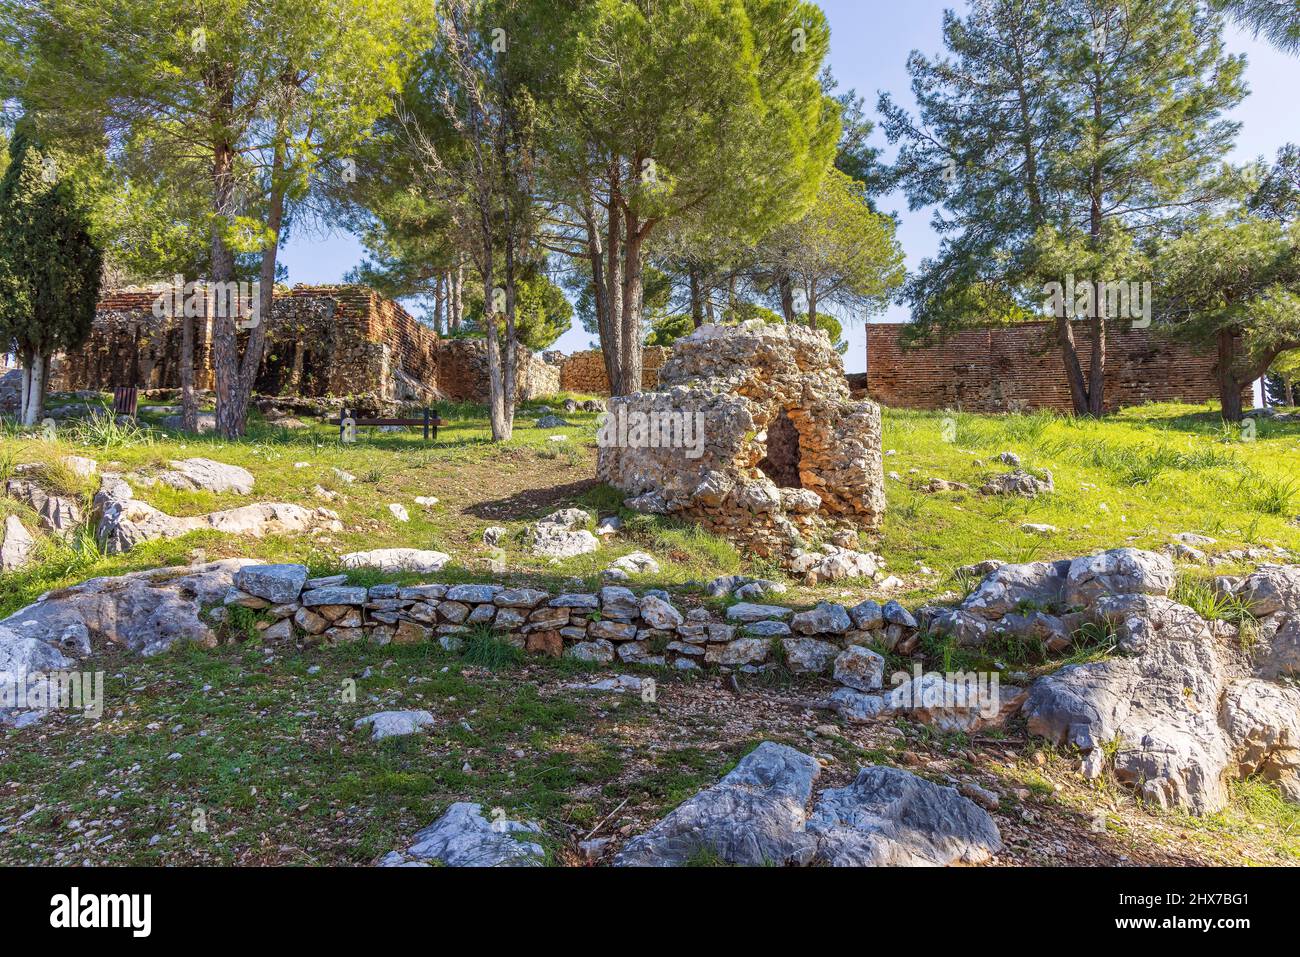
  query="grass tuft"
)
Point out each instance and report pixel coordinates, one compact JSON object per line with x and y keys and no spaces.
{"x":487,"y":650}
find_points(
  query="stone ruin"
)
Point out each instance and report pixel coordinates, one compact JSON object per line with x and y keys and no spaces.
{"x":753,"y":435}
{"x":333,"y":342}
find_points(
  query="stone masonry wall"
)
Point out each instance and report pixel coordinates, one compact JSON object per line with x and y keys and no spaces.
{"x":1007,"y":368}
{"x":584,"y":372}
{"x":320,"y":341}
{"x":463,"y":374}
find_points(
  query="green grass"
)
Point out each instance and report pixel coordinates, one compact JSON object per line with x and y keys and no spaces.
{"x":1199,"y":594}
{"x":283,"y":778}
{"x":487,"y":650}
{"x":1135,"y":478}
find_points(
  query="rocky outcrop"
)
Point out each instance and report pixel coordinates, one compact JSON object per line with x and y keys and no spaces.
{"x":833,"y":563}
{"x":123,"y":521}
{"x":756,"y":815}
{"x":1156,"y":703}
{"x":57,"y":514}
{"x":1042,"y":600}
{"x":419,"y":560}
{"x":891,"y":818}
{"x":1272,"y":594}
{"x":17,"y":547}
{"x":143,"y":612}
{"x":23,"y":654}
{"x":753,"y":817}
{"x":1262,"y":722}
{"x":207,"y":476}
{"x":1179,"y":709}
{"x":1022,"y":483}
{"x":751,"y":434}
{"x":563,"y":534}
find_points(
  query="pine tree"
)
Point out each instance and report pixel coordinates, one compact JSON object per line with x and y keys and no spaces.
{"x":1233,"y":284}
{"x":1060,"y":134}
{"x":674,"y":111}
{"x":49,"y":268}
{"x":1278,"y":21}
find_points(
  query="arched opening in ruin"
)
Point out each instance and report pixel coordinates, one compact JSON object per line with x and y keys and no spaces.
{"x":781,"y":464}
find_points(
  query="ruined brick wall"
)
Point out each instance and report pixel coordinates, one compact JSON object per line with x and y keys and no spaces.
{"x":339,"y":341}
{"x":377,"y":341}
{"x":129,"y":346}
{"x":320,"y":341}
{"x":1004,"y":368}
{"x":584,"y":372}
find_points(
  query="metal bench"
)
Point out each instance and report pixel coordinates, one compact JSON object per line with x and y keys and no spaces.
{"x":429,"y":420}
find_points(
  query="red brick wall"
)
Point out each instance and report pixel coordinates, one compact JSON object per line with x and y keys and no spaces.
{"x":1000,"y":368}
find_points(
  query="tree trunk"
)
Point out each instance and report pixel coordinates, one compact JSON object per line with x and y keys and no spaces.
{"x":600,"y":294}
{"x":24,"y":363}
{"x":232,"y":402}
{"x":812,"y":304}
{"x":189,"y":402}
{"x":225,"y":347}
{"x":34,"y":409}
{"x":630,"y":360}
{"x":496,"y":385}
{"x":1225,"y":370}
{"x":697,"y":302}
{"x":1097,"y":325}
{"x":612,"y":347}
{"x":508,"y":387}
{"x":1073,"y":368}
{"x":509,"y":358}
{"x":786,"y":288}
{"x":439,"y":288}
{"x":457,"y":288}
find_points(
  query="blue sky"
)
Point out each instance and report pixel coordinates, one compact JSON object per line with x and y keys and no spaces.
{"x":870,"y":41}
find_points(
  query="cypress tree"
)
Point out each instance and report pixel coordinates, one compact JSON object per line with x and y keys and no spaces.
{"x":49,"y":268}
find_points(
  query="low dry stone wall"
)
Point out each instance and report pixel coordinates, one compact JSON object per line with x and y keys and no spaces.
{"x":1178,"y":709}
{"x":613,"y":624}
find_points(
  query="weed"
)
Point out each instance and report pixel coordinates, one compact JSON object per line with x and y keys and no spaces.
{"x":487,"y":650}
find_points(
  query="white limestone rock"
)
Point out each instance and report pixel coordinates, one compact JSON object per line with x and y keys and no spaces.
{"x":891,"y":818}
{"x":419,"y":560}
{"x":393,"y":724}
{"x":17,"y":549}
{"x":463,"y":837}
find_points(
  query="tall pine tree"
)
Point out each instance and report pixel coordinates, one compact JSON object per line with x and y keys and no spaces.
{"x":1060,"y":136}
